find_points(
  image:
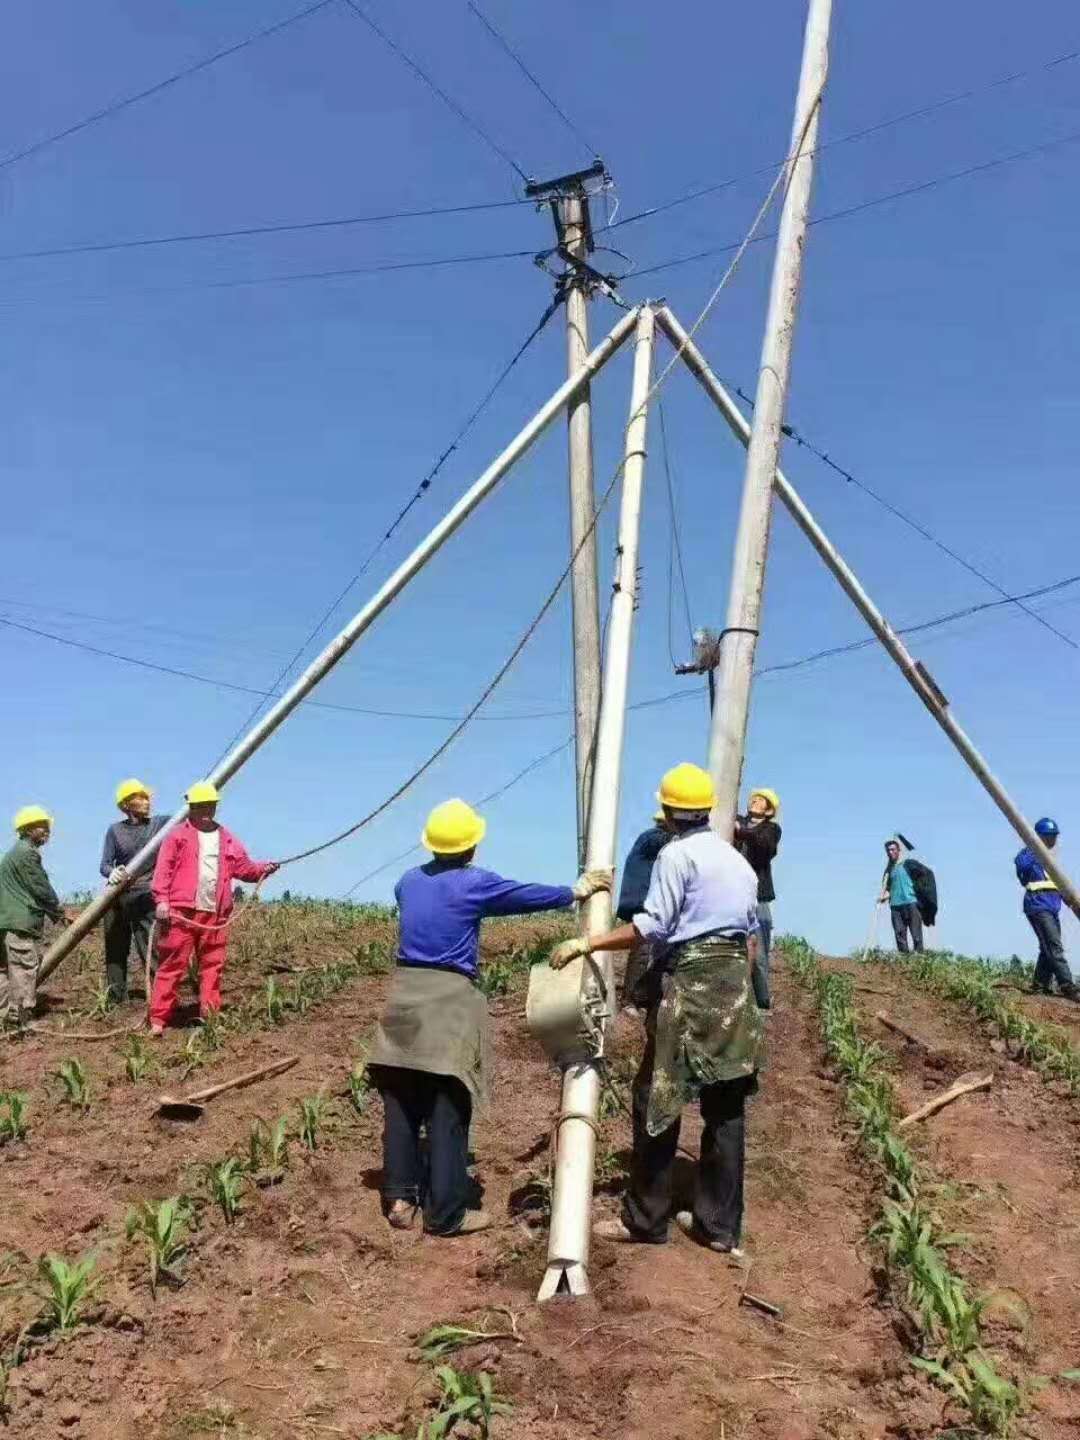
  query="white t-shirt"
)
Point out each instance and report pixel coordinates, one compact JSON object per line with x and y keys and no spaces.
{"x":209,"y":859}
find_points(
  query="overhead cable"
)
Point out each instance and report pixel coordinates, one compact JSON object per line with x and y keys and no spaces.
{"x":848,"y":210}
{"x":247,"y":231}
{"x":550,"y":714}
{"x":437,"y":89}
{"x":913,"y":524}
{"x":505,"y":45}
{"x":286,"y":278}
{"x":495,"y":795}
{"x":415,"y":497}
{"x":155,"y":89}
{"x":861,"y":134}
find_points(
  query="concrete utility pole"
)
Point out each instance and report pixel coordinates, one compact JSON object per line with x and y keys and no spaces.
{"x":913,"y":671}
{"x":593,"y":979}
{"x":568,"y":197}
{"x":584,"y":587}
{"x":739,"y":640}
{"x":343,"y":642}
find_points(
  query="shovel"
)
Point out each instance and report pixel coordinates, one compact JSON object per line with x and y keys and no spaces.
{"x":190,"y":1107}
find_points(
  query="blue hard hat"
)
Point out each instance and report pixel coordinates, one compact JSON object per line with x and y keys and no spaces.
{"x":1046,"y":827}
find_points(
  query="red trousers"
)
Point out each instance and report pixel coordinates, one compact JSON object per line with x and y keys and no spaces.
{"x":176,"y":945}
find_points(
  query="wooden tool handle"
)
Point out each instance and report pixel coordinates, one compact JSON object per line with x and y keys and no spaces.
{"x":276,"y":1067}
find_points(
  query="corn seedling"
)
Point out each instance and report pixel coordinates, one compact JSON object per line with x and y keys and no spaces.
{"x":13,"y":1124}
{"x":225,"y":1182}
{"x":137,"y":1059}
{"x":163,"y":1228}
{"x":194,"y":1051}
{"x":101,"y":1003}
{"x":212,"y":1030}
{"x":275,"y":1003}
{"x":268,"y":1149}
{"x":442,"y":1340}
{"x":66,"y":1289}
{"x":465,"y":1397}
{"x":311,"y":1120}
{"x":76,"y":1084}
{"x":359,"y":1086}
{"x":947,"y":1319}
{"x":5,"y":1390}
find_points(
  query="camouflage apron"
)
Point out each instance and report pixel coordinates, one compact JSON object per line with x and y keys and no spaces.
{"x":708,"y":1026}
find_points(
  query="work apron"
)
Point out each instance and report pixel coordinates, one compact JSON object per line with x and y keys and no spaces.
{"x":436,"y":1021}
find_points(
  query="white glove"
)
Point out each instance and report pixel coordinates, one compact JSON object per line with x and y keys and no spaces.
{"x":161,"y":913}
{"x":568,"y":950}
{"x":117,"y":875}
{"x":591,"y":883}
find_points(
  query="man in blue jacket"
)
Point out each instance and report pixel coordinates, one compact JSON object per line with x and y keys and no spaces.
{"x":1042,"y":906}
{"x":636,"y":878}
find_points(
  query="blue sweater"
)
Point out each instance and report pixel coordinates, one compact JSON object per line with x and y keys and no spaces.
{"x":442,"y":905}
{"x":637,"y":871}
{"x":1040,"y":892}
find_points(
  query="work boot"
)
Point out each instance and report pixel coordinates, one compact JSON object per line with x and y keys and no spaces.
{"x":685,"y":1221}
{"x":1070,"y":992}
{"x":401,"y":1214}
{"x":618,"y":1231}
{"x":473,"y":1223}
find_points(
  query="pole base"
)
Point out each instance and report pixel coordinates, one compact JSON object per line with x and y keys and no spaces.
{"x":560,"y":1279}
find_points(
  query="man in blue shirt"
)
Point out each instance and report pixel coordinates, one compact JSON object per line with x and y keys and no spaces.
{"x":636,"y":876}
{"x":1042,"y":906}
{"x":898,"y":889}
{"x":429,"y":1062}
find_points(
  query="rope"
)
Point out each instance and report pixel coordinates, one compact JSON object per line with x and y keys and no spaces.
{"x":485,"y":694}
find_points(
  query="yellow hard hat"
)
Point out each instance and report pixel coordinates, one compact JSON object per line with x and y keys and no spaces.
{"x":687,"y":787}
{"x":452,"y":828}
{"x":202,"y":793}
{"x":127,"y":788}
{"x":31,"y":815}
{"x":770,"y":795}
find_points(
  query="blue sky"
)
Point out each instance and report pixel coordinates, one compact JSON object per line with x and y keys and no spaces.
{"x":192,"y":473}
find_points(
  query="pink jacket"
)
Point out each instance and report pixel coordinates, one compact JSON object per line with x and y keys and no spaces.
{"x":176,"y":873}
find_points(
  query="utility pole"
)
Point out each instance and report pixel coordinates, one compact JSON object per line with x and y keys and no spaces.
{"x":739,"y":639}
{"x":568,"y":197}
{"x":591,"y":981}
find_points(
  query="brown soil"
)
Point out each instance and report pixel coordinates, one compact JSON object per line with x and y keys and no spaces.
{"x":1011,"y":1157}
{"x":300,"y":1318}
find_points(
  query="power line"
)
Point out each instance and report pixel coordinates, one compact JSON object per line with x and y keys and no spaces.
{"x":432,"y":85}
{"x":861,"y":134}
{"x":417,"y":495}
{"x":155,"y":89}
{"x":916,"y":525}
{"x":505,"y":45}
{"x":344,"y":272}
{"x":856,"y":209}
{"x":674,"y":546}
{"x":484,"y":800}
{"x":247,"y":231}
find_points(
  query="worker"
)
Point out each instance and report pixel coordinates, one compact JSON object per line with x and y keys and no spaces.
{"x":193,"y":899}
{"x":1042,"y":906}
{"x":637,"y":873}
{"x":429,"y":1061}
{"x":131,"y":918}
{"x":898,"y":891}
{"x":27,"y":899}
{"x":704,"y":1031}
{"x":757,"y":839}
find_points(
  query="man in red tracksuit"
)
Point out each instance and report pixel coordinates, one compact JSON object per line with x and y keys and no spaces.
{"x":193,"y":896}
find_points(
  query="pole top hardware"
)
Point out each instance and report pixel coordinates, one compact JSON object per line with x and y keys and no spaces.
{"x":573,"y":183}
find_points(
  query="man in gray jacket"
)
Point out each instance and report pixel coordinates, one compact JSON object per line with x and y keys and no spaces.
{"x":131,"y":919}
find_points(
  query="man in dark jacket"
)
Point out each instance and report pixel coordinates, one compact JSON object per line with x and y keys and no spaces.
{"x":131,"y":919}
{"x":757,"y":839}
{"x":26,"y":898}
{"x":637,"y":874}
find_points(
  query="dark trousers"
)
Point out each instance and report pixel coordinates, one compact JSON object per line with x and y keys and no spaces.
{"x":415,"y":1102}
{"x":905,"y":918}
{"x":1051,"y":964}
{"x":127,"y":924}
{"x":718,"y":1192}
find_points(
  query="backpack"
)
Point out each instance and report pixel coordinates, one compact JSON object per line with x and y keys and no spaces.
{"x":925,"y":885}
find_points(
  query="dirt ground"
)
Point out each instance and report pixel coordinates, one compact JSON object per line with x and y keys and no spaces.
{"x":299,"y":1319}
